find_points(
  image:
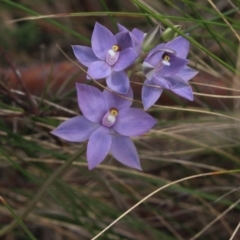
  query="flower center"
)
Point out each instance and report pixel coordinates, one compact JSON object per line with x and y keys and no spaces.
{"x":116,"y":48}
{"x":110,"y":117}
{"x":113,"y":54}
{"x":165,"y":59}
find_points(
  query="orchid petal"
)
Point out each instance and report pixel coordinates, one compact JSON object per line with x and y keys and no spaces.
{"x":84,"y":55}
{"x":99,"y":69}
{"x":118,"y":102}
{"x":154,"y":58}
{"x":91,"y":102}
{"x":148,"y":70}
{"x":124,"y":40}
{"x":185,"y":92}
{"x":137,"y":37}
{"x":187,"y":73}
{"x":124,"y":151}
{"x":176,"y":82}
{"x":102,"y":41}
{"x":159,"y":47}
{"x":150,"y":94}
{"x":125,"y":59}
{"x":180,"y":45}
{"x":121,"y":28}
{"x":176,"y":65}
{"x":98,"y":146}
{"x":118,"y":82}
{"x":168,"y":50}
{"x":76,"y":129}
{"x":160,"y":81}
{"x":138,"y":34}
{"x":133,"y":122}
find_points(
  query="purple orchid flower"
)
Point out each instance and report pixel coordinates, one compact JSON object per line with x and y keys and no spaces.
{"x":136,"y":35}
{"x":107,"y":122}
{"x":108,"y":58}
{"x":166,"y":68}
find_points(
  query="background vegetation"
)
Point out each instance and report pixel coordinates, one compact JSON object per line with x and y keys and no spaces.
{"x":45,"y":181}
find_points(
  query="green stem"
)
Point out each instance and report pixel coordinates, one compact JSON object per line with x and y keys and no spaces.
{"x":19,"y":220}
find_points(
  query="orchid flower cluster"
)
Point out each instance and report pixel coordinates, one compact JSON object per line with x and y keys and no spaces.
{"x":107,"y":120}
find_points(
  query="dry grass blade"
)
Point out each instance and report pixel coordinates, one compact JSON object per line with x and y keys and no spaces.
{"x":215,"y":220}
{"x":162,"y":188}
{"x":235,"y":232}
{"x":224,"y":19}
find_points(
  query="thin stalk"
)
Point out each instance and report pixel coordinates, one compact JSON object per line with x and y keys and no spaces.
{"x":30,"y":235}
